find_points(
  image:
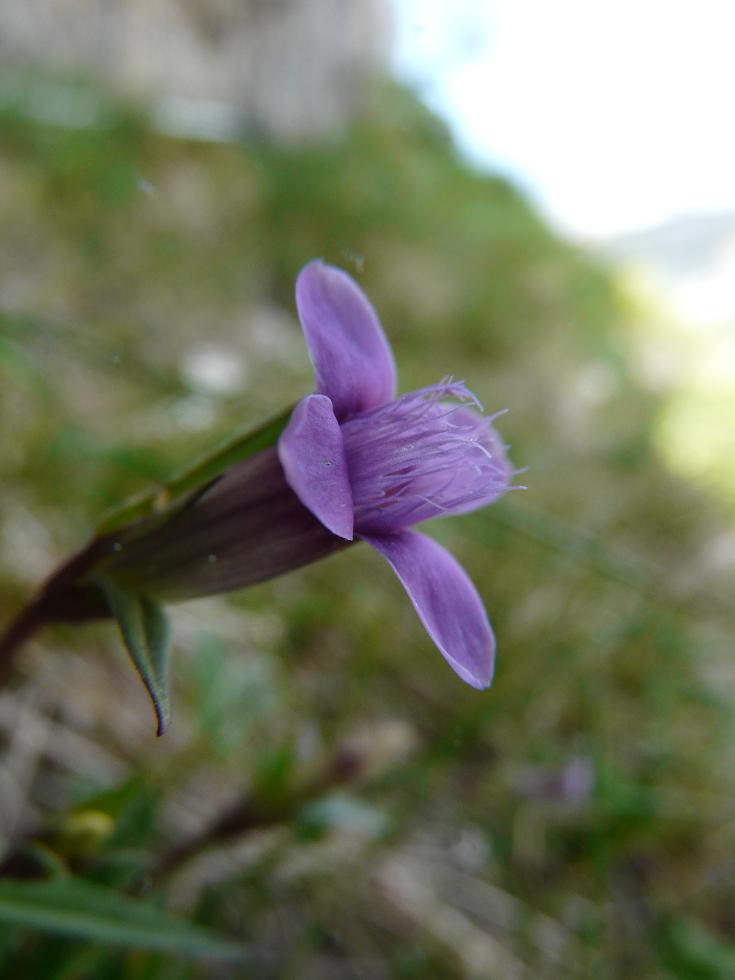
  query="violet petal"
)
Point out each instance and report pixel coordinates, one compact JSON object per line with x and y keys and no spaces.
{"x":352,"y":359}
{"x":421,"y":456}
{"x":446,"y":601}
{"x":500,"y":469}
{"x":313,"y":458}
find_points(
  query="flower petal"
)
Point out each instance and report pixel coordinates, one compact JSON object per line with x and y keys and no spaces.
{"x":497,"y":475}
{"x":352,"y":359}
{"x":313,"y":458}
{"x":446,"y":601}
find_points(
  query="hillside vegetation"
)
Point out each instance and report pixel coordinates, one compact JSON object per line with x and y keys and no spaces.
{"x":573,"y":821}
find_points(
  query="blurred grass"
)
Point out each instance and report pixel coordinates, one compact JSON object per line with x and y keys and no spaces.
{"x":127,"y":257}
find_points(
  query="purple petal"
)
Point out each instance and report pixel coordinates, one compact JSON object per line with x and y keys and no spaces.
{"x":313,"y":458}
{"x":498,"y":470}
{"x":352,"y":359}
{"x":446,"y":601}
{"x":420,"y":457}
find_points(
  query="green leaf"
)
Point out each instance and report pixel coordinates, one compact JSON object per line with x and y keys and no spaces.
{"x":199,"y":474}
{"x":144,"y":628}
{"x":692,"y":952}
{"x":79,"y":908}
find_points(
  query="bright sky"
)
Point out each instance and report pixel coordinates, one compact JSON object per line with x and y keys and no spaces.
{"x":613,"y":114}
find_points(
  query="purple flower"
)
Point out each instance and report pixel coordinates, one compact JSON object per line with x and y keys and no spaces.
{"x":354,"y":461}
{"x":371,"y":465}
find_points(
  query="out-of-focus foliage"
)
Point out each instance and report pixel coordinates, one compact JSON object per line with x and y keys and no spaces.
{"x":574,"y":821}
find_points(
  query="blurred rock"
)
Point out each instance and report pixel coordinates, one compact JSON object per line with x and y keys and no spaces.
{"x":291,"y":69}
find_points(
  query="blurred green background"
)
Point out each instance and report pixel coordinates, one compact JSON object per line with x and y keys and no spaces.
{"x":576,"y":820}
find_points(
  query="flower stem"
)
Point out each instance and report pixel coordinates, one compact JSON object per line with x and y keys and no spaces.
{"x":26,"y":623}
{"x":64,"y":598}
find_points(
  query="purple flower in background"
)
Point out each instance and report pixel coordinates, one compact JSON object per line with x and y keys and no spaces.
{"x":371,"y":465}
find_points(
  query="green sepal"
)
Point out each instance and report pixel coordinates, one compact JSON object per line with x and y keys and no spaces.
{"x":145,"y":632}
{"x":193,"y":479}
